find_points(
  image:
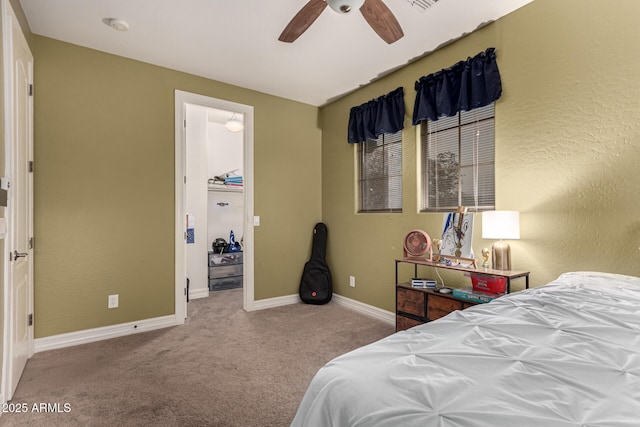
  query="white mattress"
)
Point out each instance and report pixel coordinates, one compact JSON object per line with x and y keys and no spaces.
{"x":564,"y":354}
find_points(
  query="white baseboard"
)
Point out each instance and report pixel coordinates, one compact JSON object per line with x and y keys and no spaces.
{"x":263,"y":304}
{"x":358,"y":306}
{"x":198,"y":293}
{"x":123,"y":329}
{"x":104,"y":333}
{"x":367,"y":309}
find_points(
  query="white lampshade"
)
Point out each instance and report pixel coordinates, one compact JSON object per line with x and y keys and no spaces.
{"x":234,"y":124}
{"x":501,"y":225}
{"x":344,"y":6}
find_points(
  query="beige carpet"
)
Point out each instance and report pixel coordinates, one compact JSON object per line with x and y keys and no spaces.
{"x":224,"y":367}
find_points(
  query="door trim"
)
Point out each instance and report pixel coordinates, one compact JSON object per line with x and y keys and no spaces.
{"x":181,"y":99}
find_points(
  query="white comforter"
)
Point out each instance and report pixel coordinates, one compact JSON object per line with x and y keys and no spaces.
{"x":564,"y":354}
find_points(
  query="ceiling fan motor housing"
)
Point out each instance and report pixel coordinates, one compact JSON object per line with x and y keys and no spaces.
{"x":345,"y":6}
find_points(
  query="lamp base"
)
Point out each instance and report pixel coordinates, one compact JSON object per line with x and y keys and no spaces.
{"x":501,"y":256}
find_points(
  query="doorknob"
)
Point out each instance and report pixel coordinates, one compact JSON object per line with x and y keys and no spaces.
{"x":17,"y":254}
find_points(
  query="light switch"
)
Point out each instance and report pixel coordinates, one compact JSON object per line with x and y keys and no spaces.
{"x":256,"y":221}
{"x":113,"y":301}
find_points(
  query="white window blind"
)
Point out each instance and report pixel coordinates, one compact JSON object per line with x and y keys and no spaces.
{"x":380,"y":174}
{"x":458,"y":167}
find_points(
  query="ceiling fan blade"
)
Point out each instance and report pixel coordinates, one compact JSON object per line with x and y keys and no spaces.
{"x":382,"y":20}
{"x":303,"y":20}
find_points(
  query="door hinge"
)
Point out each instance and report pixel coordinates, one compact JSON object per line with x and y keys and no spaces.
{"x":30,"y":320}
{"x":31,"y":243}
{"x":185,"y":123}
{"x":185,"y":179}
{"x":31,"y":166}
{"x":31,"y":90}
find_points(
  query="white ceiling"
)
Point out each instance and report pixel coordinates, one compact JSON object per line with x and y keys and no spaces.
{"x":236,"y":41}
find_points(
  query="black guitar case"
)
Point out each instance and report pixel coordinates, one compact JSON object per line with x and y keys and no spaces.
{"x":316,"y":286}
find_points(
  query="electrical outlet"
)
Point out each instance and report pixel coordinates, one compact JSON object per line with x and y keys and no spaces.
{"x":113,"y":301}
{"x":352,"y":281}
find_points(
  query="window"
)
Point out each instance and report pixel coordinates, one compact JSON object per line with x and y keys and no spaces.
{"x":380,"y":174}
{"x":458,"y":161}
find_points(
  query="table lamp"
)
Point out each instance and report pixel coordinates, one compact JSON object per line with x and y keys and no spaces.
{"x":501,"y":225}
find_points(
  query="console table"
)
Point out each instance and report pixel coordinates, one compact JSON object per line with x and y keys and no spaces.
{"x":508,"y":274}
{"x":415,"y":306}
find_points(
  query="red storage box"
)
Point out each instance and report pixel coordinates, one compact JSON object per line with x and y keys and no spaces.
{"x":492,"y":284}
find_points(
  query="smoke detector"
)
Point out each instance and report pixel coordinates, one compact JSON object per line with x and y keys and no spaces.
{"x":117,"y":24}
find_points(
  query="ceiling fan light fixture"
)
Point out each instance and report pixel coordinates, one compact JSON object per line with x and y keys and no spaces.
{"x":345,"y":6}
{"x":234,"y":124}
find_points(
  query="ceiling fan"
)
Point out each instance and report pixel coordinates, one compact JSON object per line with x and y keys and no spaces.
{"x":375,"y":12}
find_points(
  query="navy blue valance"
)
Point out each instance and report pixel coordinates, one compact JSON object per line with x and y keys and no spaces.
{"x":383,"y":115}
{"x":464,"y":86}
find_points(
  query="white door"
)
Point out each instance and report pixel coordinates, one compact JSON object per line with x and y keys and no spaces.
{"x":19,"y":147}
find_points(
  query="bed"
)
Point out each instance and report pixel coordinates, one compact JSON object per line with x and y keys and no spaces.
{"x":563,"y":354}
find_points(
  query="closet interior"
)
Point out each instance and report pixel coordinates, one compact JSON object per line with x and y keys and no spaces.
{"x":215,"y":200}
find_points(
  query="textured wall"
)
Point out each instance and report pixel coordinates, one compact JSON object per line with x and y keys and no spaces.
{"x":567,"y":149}
{"x":104,"y":188}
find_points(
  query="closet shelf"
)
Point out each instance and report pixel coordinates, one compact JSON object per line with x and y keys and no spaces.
{"x":224,"y":188}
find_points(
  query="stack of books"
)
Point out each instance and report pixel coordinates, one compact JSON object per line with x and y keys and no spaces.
{"x":233,"y":181}
{"x":228,"y":179}
{"x":423,"y":283}
{"x":473,"y":295}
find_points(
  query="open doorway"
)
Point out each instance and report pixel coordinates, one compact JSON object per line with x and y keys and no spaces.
{"x":209,"y":110}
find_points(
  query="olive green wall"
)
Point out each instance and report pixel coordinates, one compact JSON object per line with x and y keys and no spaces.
{"x":567,"y":150}
{"x":566,"y":144}
{"x":104,"y":186}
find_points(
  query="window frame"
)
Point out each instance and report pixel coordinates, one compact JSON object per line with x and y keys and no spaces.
{"x":386,"y":142}
{"x":486,"y":117}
